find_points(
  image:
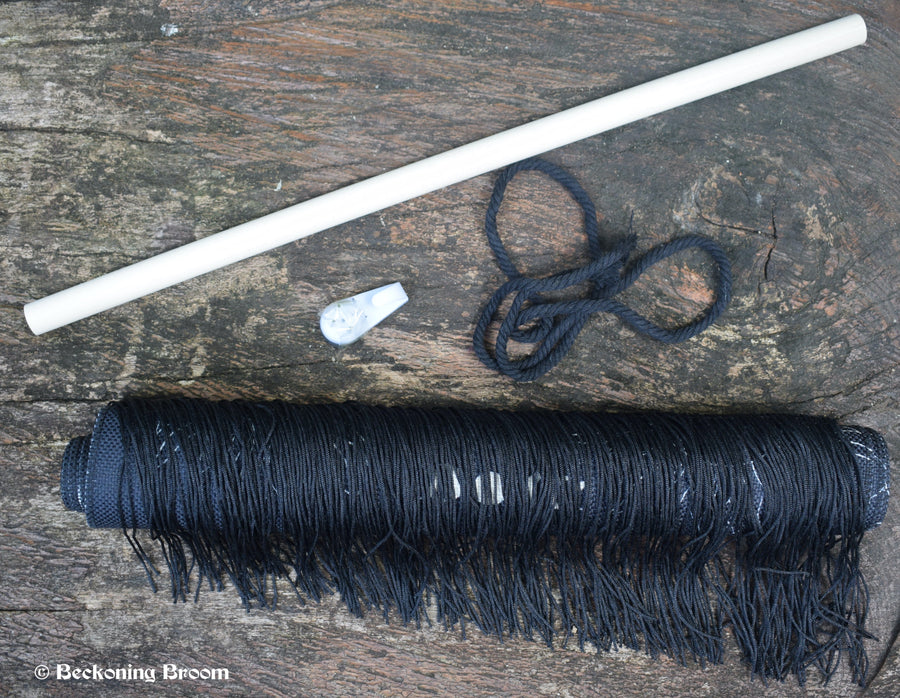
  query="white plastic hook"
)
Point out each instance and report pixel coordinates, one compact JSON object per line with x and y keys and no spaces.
{"x":346,"y":320}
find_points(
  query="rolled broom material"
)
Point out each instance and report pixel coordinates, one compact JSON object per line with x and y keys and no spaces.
{"x":649,"y":530}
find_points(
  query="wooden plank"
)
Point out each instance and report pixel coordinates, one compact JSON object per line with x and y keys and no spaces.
{"x":127,"y":128}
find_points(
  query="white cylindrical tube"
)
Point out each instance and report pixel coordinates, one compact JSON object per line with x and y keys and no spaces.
{"x":438,"y":171}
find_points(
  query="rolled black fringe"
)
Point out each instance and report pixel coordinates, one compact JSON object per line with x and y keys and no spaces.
{"x":653,"y":531}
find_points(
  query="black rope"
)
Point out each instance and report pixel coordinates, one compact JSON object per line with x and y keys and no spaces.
{"x":552,"y":326}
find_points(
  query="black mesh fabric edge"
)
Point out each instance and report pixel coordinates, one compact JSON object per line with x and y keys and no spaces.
{"x":71,"y":476}
{"x":109,"y":493}
{"x":873,"y":463}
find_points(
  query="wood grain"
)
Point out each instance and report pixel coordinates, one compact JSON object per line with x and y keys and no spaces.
{"x":128,"y":128}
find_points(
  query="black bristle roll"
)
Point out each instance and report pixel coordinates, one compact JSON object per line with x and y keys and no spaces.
{"x":638,"y":530}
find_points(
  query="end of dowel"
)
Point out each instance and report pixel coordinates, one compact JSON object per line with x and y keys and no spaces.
{"x":33,"y":319}
{"x":857,"y":25}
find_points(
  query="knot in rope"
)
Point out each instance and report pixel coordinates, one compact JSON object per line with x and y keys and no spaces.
{"x":553,"y":325}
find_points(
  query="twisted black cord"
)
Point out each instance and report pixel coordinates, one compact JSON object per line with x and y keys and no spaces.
{"x":552,"y":326}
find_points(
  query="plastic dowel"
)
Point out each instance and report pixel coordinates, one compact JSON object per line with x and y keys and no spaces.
{"x":442,"y":170}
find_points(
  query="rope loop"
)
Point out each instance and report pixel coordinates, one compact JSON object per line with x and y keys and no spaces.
{"x":553,"y":325}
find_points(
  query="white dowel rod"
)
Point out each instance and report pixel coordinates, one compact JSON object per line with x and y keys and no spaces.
{"x":442,"y":170}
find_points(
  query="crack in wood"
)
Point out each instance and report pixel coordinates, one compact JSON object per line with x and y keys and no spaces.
{"x":772,"y":246}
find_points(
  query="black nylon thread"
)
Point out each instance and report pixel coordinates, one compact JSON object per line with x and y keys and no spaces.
{"x":649,"y":531}
{"x":553,"y":326}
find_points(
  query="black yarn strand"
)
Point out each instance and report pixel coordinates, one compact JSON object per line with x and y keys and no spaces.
{"x":553,"y":326}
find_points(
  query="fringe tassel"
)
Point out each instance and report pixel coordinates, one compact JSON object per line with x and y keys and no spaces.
{"x":656,"y":532}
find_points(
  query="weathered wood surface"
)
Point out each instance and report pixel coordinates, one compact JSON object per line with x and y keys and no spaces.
{"x":127,"y":128}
